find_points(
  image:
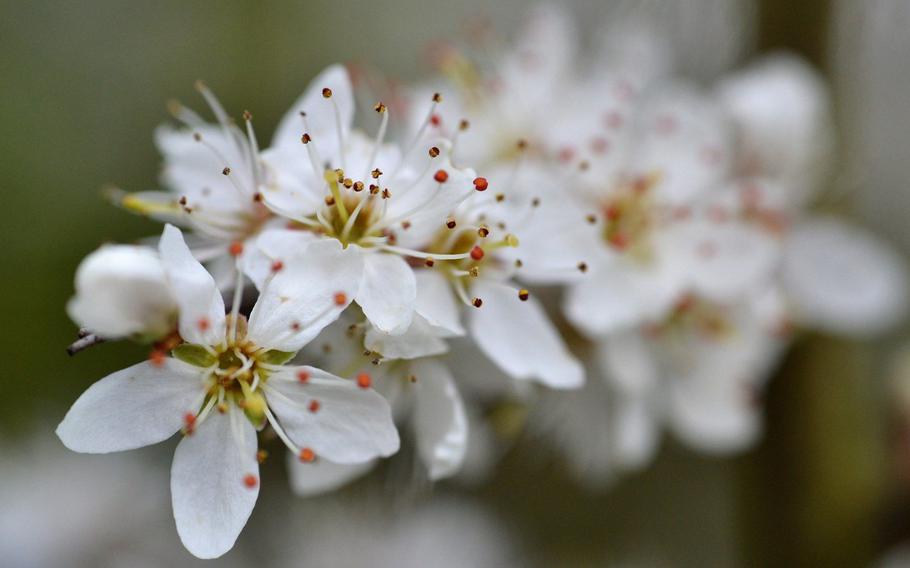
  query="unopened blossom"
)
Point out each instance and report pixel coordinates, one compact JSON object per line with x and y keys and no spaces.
{"x":226,"y":379}
{"x":376,"y":200}
{"x":122,"y":291}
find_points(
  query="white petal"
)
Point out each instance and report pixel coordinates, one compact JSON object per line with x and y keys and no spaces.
{"x":201,"y":305}
{"x":436,"y":302}
{"x":617,"y":296}
{"x":211,"y":492}
{"x":351,"y":425}
{"x":388,"y":292}
{"x":728,"y":260}
{"x":322,"y":476}
{"x":842,"y":279}
{"x":140,"y":405}
{"x":307,"y":294}
{"x":520,"y":338}
{"x":270,"y":246}
{"x":320,"y":115}
{"x":628,"y":362}
{"x":121,"y":290}
{"x":292,"y":188}
{"x":440,"y":422}
{"x":636,"y":432}
{"x":420,"y":340}
{"x":714,"y":414}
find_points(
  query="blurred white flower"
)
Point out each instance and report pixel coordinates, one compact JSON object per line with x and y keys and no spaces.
{"x":121,"y":291}
{"x":235,"y":369}
{"x":441,"y":533}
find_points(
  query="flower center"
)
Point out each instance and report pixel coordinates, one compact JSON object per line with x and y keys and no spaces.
{"x":629,"y":216}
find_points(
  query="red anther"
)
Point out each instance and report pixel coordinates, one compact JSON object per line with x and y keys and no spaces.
{"x":340,"y":298}
{"x":435,"y":120}
{"x":685,"y":303}
{"x":364,"y":381}
{"x":619,"y":240}
{"x":295,"y":326}
{"x":711,"y":155}
{"x":157,"y":357}
{"x":666,"y":124}
{"x":277,"y":266}
{"x":718,"y":214}
{"x":600,"y":145}
{"x":613,"y":119}
{"x":250,"y":481}
{"x":203,"y":324}
{"x":314,"y":406}
{"x":566,"y":154}
{"x":236,"y":248}
{"x":307,"y":455}
{"x":476,"y":253}
{"x":612,"y":212}
{"x":523,"y":295}
{"x":303,"y":376}
{"x":326,"y":92}
{"x":189,"y":422}
{"x":480,"y":183}
{"x":707,"y":249}
{"x":441,"y":176}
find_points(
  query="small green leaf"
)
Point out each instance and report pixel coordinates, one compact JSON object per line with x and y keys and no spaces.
{"x":194,"y":355}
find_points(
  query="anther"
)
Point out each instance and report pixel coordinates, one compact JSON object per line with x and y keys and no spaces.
{"x":295,"y":326}
{"x":522,"y":144}
{"x":257,"y":197}
{"x":474,"y":272}
{"x":511,"y":240}
{"x":189,"y":423}
{"x":303,"y":376}
{"x":376,"y":173}
{"x":306,"y":138}
{"x":197,"y":137}
{"x":247,"y":115}
{"x":464,"y":124}
{"x":250,"y":481}
{"x":314,"y":406}
{"x":583,"y":267}
{"x":429,"y":262}
{"x":358,"y":186}
{"x":327,"y":92}
{"x":226,"y":171}
{"x":157,"y":358}
{"x":380,"y":107}
{"x":518,"y":263}
{"x":405,"y":225}
{"x":374,"y":189}
{"x":182,"y":200}
{"x":347,"y":182}
{"x":340,"y":298}
{"x":441,"y":176}
{"x":261,"y":456}
{"x":434,"y":151}
{"x":450,"y":223}
{"x":523,"y":295}
{"x":435,"y":120}
{"x":476,"y":253}
{"x":329,"y":200}
{"x":480,"y":184}
{"x":364,"y":381}
{"x":590,"y":218}
{"x":500,"y":197}
{"x":203,"y":324}
{"x":476,"y":302}
{"x":236,"y":248}
{"x":483,"y":232}
{"x":386,"y":193}
{"x":437,"y":98}
{"x":307,"y":455}
{"x":535,"y":202}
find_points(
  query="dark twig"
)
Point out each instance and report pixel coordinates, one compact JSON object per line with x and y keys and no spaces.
{"x":86,"y":340}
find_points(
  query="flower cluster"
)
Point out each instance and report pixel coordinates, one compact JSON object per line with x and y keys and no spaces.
{"x":664,"y":228}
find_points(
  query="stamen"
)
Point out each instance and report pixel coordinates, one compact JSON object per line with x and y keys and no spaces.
{"x":480,"y":184}
{"x":307,"y":455}
{"x":250,"y":481}
{"x":364,"y":381}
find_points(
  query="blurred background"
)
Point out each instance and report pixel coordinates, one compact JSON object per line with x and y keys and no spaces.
{"x":83,"y":85}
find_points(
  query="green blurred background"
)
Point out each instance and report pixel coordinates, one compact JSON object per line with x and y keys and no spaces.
{"x":83,"y":85}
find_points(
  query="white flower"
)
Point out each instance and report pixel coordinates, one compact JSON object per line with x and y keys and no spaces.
{"x":782,"y":113}
{"x":423,"y":395}
{"x":213,"y":174}
{"x":224,"y":381}
{"x":122,"y":291}
{"x":842,"y":279}
{"x":375,"y":199}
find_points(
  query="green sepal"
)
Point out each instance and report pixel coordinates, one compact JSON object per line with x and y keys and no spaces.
{"x":194,"y":355}
{"x":275,"y":357}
